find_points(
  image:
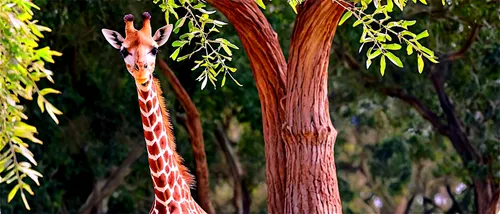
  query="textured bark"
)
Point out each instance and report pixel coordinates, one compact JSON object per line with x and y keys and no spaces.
{"x":311,"y":181}
{"x":298,"y":132}
{"x":268,"y":65}
{"x":193,"y":126}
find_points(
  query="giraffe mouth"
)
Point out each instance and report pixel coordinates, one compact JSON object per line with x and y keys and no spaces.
{"x":143,"y":81}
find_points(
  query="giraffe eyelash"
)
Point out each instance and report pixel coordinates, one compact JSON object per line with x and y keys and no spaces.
{"x":155,"y":51}
{"x":124,"y":52}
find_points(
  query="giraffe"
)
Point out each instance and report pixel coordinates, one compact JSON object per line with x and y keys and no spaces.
{"x":171,"y":179}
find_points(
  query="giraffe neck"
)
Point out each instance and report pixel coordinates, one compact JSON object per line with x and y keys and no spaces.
{"x":171,"y":179}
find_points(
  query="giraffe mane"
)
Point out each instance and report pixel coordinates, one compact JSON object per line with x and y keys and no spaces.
{"x":170,"y":136}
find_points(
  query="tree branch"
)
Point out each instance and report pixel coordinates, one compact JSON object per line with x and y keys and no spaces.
{"x":408,"y":205}
{"x":457,"y":134}
{"x":422,"y":109}
{"x":461,"y":53}
{"x":455,"y":206}
{"x":104,"y":188}
{"x":195,"y":130}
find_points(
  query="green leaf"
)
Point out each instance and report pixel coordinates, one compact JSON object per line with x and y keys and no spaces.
{"x":443,"y":2}
{"x":356,"y":23}
{"x":420,"y":63}
{"x":394,"y":59}
{"x":183,"y":57}
{"x":190,"y":25}
{"x":293,"y":4}
{"x":423,"y":2}
{"x":167,"y":14}
{"x":409,"y":49}
{"x":48,"y":91}
{"x":28,"y":189}
{"x":261,"y":4}
{"x":345,"y":17}
{"x":231,"y":69}
{"x":400,"y":4}
{"x":427,"y":50}
{"x":223,"y":81}
{"x":422,"y":35}
{"x":407,"y":23}
{"x":26,"y":131}
{"x":199,"y":5}
{"x":179,"y":43}
{"x":389,"y":5}
{"x":12,"y":193}
{"x":226,"y":49}
{"x":40,"y":103}
{"x":375,"y":54}
{"x":175,"y":53}
{"x":432,"y":59}
{"x":178,"y":24}
{"x":391,"y":46}
{"x":382,"y":65}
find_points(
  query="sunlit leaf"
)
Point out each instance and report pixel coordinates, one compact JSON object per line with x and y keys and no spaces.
{"x":394,"y":59}
{"x":175,"y":53}
{"x":345,"y":17}
{"x":48,"y":91}
{"x":420,"y":63}
{"x":422,"y":35}
{"x":12,"y":193}
{"x":409,"y":49}
{"x":382,"y":65}
{"x":261,"y":4}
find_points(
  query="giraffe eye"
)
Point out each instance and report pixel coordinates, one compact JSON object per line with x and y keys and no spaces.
{"x":154,"y":51}
{"x":124,"y":52}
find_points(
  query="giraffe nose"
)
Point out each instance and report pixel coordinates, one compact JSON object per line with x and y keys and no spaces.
{"x":139,"y":65}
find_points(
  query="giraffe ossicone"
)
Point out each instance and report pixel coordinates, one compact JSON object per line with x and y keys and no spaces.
{"x":171,"y":179}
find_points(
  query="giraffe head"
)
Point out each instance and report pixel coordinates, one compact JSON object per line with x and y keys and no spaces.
{"x":139,"y":48}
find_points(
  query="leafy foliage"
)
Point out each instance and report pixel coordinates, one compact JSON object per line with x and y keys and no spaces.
{"x":22,"y":66}
{"x":390,"y":164}
{"x":379,"y":31}
{"x":201,"y":26}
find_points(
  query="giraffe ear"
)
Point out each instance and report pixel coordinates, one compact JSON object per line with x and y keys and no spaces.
{"x":162,"y":34}
{"x":114,"y":38}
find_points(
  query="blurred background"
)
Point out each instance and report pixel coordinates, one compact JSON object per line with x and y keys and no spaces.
{"x":389,"y":157}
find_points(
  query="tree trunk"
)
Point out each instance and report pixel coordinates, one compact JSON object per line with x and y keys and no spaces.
{"x":487,"y":198}
{"x":311,"y":181}
{"x":298,"y":132}
{"x":193,"y":126}
{"x":268,"y":65}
